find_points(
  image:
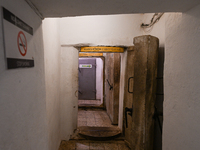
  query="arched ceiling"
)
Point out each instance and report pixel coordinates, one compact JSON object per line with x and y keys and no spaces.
{"x":65,"y":8}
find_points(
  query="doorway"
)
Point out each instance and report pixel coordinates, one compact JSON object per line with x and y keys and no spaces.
{"x":92,"y":113}
{"x":91,"y":74}
{"x":87,"y":79}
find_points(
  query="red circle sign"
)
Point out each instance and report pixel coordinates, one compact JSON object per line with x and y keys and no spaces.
{"x":22,"y":43}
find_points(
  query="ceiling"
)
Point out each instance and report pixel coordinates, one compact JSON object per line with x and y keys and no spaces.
{"x":65,"y":8}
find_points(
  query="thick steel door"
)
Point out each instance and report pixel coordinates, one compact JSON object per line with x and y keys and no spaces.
{"x":87,"y":79}
{"x":128,"y":95}
{"x":140,"y":93}
{"x":112,"y":76}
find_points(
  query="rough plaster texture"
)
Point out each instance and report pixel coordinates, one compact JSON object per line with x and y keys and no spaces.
{"x":181,"y":128}
{"x":68,"y":91}
{"x":23,"y":124}
{"x":99,"y":79}
{"x":63,"y":8}
{"x":52,"y":80}
{"x":100,"y":30}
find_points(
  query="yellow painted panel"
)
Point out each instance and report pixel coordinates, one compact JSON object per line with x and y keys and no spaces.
{"x":103,"y":49}
{"x":90,"y":54}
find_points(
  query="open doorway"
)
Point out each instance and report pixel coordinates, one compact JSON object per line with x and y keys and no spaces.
{"x":93,"y":111}
{"x":90,"y":82}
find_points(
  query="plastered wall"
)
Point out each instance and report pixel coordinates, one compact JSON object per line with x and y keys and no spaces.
{"x":181,"y":128}
{"x":23,"y":124}
{"x":100,"y":30}
{"x":157,"y":30}
{"x":52,"y":80}
{"x":68,"y":91}
{"x":61,"y":76}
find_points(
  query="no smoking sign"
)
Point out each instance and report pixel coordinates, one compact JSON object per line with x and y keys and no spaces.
{"x":22,"y":43}
{"x":19,"y":42}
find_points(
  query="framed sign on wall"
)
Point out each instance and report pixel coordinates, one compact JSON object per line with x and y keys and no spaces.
{"x":18,"y":41}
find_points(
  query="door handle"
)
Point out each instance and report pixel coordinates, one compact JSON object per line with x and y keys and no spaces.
{"x":80,"y":92}
{"x":111,"y":87}
{"x":130,"y":113}
{"x":128,"y":84}
{"x":79,"y":70}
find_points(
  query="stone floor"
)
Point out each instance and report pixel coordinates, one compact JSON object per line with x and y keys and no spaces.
{"x":93,"y":117}
{"x":93,"y":145}
{"x":96,"y":118}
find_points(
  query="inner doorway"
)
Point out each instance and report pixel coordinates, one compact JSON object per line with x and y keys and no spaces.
{"x":91,"y":76}
{"x":92,"y":114}
{"x":87,"y":79}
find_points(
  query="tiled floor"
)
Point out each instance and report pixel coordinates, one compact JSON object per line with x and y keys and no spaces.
{"x":89,"y":102}
{"x":93,"y":145}
{"x":98,"y":118}
{"x":93,"y":117}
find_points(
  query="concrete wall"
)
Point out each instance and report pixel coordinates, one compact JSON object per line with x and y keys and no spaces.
{"x":23,"y":122}
{"x":52,"y":80}
{"x":99,"y":79}
{"x":181,"y":128}
{"x":61,"y":76}
{"x":68,"y":91}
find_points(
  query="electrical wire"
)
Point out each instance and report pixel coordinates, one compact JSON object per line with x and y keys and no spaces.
{"x":35,"y":9}
{"x":156,"y":17}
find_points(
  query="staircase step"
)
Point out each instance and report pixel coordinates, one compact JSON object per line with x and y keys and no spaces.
{"x":99,"y":133}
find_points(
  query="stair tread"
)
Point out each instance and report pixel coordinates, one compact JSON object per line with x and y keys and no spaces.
{"x":99,"y":132}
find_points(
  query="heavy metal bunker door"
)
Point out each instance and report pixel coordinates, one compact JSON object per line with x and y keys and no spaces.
{"x":87,"y":79}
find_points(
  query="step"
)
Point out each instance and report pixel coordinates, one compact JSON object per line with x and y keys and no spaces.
{"x":99,"y":133}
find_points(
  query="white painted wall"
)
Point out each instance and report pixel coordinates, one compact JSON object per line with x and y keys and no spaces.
{"x":23,"y":124}
{"x":99,"y":79}
{"x":52,"y":80}
{"x":68,"y":91}
{"x":157,"y":30}
{"x":181,"y":128}
{"x":100,"y":30}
